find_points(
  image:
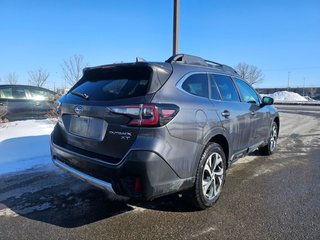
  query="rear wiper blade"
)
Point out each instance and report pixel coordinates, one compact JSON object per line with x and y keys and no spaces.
{"x":83,"y":95}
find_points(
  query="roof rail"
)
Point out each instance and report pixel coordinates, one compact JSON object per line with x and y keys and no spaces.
{"x":187,"y":59}
{"x":140,"y":59}
{"x":224,"y":67}
{"x":194,"y":60}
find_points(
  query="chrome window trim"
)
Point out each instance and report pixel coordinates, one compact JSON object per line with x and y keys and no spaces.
{"x":185,"y":77}
{"x":181,"y":81}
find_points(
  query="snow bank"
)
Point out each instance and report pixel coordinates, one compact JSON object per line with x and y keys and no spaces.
{"x":25,"y":145}
{"x":285,"y":96}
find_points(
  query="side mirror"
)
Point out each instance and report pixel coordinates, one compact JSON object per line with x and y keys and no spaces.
{"x":267,"y":101}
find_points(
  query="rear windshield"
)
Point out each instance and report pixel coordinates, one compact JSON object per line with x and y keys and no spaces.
{"x":114,"y":83}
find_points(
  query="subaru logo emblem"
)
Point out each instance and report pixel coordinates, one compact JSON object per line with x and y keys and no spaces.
{"x":78,"y":110}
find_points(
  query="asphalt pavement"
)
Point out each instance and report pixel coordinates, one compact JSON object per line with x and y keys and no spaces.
{"x":275,"y":197}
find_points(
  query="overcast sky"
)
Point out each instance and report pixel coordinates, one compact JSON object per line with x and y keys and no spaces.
{"x":278,"y":36}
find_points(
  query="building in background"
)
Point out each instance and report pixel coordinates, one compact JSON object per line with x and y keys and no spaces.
{"x":313,"y":92}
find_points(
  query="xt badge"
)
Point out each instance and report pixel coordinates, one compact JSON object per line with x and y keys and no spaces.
{"x":122,"y":135}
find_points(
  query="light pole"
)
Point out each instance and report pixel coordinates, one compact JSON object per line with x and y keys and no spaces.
{"x":175,"y":26}
{"x":288,"y":81}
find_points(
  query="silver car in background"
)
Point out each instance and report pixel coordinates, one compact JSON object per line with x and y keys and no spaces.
{"x":20,"y":102}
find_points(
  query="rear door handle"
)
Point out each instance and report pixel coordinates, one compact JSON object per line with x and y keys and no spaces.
{"x":1,"y":103}
{"x":253,"y":113}
{"x":225,"y":113}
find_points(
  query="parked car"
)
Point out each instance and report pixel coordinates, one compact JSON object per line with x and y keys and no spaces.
{"x":19,"y":102}
{"x":146,"y":129}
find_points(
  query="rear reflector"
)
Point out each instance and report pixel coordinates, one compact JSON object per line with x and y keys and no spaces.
{"x":138,"y":185}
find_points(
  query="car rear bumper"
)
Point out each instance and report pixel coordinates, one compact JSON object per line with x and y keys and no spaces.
{"x":141,"y":174}
{"x":92,"y":180}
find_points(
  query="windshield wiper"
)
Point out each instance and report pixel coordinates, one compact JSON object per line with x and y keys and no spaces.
{"x":83,"y":95}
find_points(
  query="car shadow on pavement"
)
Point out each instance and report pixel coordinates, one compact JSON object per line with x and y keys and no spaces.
{"x":40,"y":191}
{"x":170,"y":203}
{"x":57,"y":198}
{"x":69,"y":203}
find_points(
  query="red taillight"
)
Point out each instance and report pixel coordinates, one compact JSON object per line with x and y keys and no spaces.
{"x":147,"y":114}
{"x":167,"y":112}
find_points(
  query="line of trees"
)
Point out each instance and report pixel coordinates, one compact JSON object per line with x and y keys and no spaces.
{"x":11,"y":78}
{"x":71,"y":73}
{"x":38,"y":77}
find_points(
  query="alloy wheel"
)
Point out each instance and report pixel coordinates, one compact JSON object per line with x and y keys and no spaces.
{"x":212,"y":177}
{"x":273,"y":138}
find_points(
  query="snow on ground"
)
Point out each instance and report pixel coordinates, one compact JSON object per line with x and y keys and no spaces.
{"x":25,"y":145}
{"x":285,"y":96}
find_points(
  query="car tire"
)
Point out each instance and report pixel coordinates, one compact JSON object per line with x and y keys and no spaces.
{"x":271,"y":147}
{"x":210,"y":177}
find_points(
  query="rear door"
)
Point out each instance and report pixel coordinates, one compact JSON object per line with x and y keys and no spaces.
{"x":42,"y":101}
{"x":234,"y":115}
{"x":88,"y":122}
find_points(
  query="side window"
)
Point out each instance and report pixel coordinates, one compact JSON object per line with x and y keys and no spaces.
{"x":19,"y":93}
{"x":247,"y":93}
{"x":227,"y":89}
{"x":6,"y":93}
{"x":214,"y":91}
{"x":39,"y":95}
{"x":196,"y":84}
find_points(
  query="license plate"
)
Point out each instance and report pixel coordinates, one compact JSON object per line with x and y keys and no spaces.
{"x":88,"y":127}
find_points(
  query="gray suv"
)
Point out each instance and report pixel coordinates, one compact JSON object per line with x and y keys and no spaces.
{"x":148,"y":129}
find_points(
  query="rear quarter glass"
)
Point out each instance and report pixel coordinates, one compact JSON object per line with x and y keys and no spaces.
{"x":114,"y":83}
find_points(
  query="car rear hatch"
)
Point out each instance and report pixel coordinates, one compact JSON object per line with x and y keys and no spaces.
{"x":90,"y":119}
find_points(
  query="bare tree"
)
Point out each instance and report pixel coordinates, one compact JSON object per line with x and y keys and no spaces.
{"x":38,"y":77}
{"x":72,"y":69}
{"x":250,"y":73}
{"x":12,"y":78}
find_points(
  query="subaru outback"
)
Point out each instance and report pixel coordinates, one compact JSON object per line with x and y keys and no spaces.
{"x":149,"y":129}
